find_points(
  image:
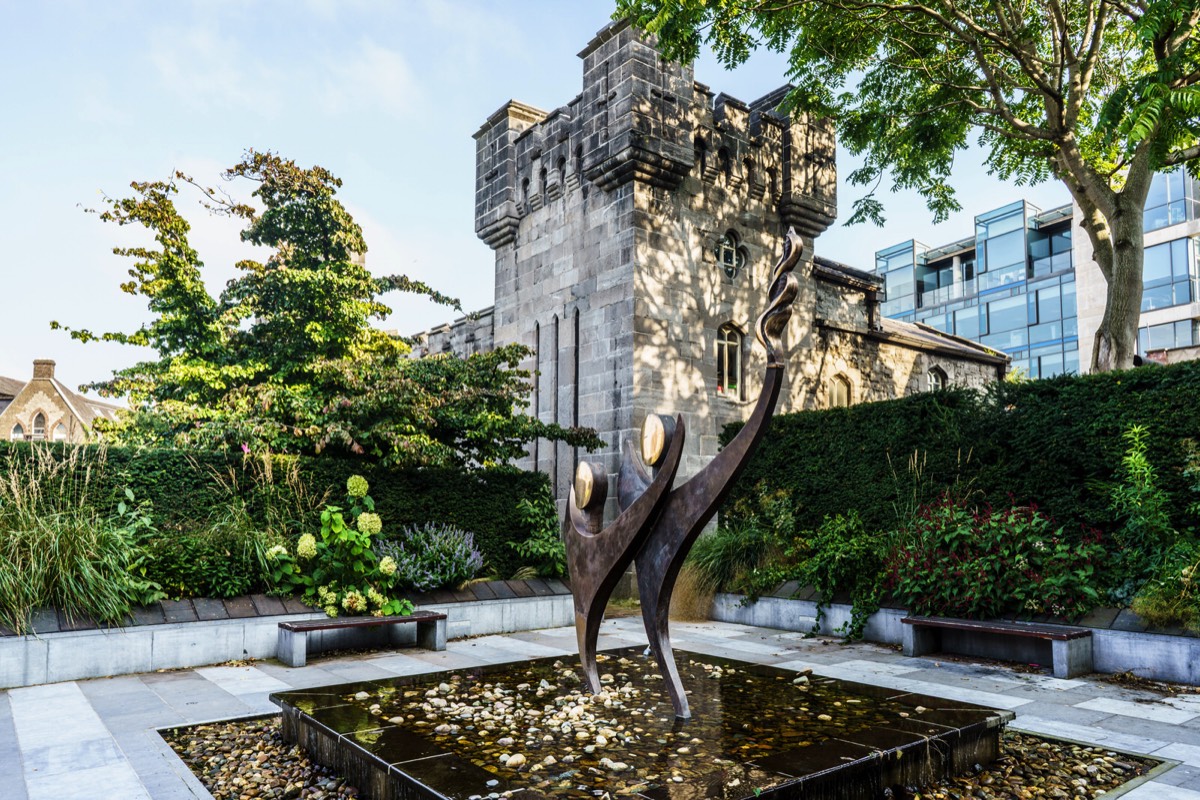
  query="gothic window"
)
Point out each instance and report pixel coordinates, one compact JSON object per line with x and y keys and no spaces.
{"x":562,"y":171}
{"x":729,"y":362}
{"x":749,"y":166}
{"x":579,"y":161}
{"x":525,"y":190}
{"x":701,"y":155}
{"x":839,"y":392}
{"x":725,"y":163}
{"x":18,"y":433}
{"x":60,"y":432}
{"x":39,"y":427}
{"x":937,"y":379}
{"x":730,"y":256}
{"x":545,"y":185}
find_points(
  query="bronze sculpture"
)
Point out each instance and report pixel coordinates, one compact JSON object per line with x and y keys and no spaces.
{"x":657,"y":528}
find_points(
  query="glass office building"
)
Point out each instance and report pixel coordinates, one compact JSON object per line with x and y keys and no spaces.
{"x":1012,"y":285}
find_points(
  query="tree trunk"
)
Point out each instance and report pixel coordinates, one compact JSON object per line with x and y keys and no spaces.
{"x":1116,"y":338}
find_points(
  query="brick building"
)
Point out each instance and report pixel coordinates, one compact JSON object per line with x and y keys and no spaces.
{"x":43,"y":409}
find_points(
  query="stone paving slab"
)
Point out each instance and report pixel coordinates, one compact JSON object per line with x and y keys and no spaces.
{"x":112,"y":740}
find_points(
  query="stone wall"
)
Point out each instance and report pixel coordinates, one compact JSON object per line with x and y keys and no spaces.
{"x":463,"y":337}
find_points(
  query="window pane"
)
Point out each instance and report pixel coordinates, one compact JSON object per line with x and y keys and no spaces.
{"x":966,"y":323}
{"x":1006,"y":250}
{"x":1060,"y":241}
{"x":1068,"y":299}
{"x":1048,"y":306}
{"x":1007,"y":314}
{"x":1039,"y":247}
{"x":1174,"y":184}
{"x":1157,"y":195}
{"x":1156,"y":265}
{"x":1051,"y":365}
{"x":1179,"y":259}
{"x":1157,"y":297}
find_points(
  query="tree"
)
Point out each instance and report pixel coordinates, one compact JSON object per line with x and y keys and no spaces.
{"x":286,"y":358}
{"x":1097,"y":93}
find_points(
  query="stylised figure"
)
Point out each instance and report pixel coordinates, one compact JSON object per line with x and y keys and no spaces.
{"x":596,"y":557}
{"x":658,"y":526}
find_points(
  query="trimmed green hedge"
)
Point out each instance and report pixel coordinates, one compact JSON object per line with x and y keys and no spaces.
{"x":1056,"y":443}
{"x":186,"y":492}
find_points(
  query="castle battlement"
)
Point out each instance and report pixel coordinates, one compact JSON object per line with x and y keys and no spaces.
{"x":641,"y":118}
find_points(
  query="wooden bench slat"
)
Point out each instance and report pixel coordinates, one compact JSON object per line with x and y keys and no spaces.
{"x":356,"y":622}
{"x":1032,"y":630}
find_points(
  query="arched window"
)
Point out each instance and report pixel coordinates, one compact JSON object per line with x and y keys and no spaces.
{"x":701,"y":154}
{"x":725,"y":163}
{"x":545,"y":185}
{"x":525,"y":190}
{"x":937,"y":379}
{"x":18,"y":433}
{"x":730,"y":256}
{"x":39,"y":427}
{"x":839,"y":392}
{"x":729,"y":362}
{"x":562,"y":171}
{"x":60,"y":432}
{"x":748,"y":164}
{"x":579,"y":161}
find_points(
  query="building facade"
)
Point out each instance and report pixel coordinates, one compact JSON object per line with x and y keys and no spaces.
{"x":1025,"y":283}
{"x":635,"y":229}
{"x":43,"y":409}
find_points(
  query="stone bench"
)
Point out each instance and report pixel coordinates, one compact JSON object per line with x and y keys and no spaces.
{"x":1070,"y":649}
{"x":293,"y":643}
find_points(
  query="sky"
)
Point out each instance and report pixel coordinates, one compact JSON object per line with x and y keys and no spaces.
{"x":386,"y":95}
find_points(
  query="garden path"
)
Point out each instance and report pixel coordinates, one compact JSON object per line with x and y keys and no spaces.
{"x":89,"y":740}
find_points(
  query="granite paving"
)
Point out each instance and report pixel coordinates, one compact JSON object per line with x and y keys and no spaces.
{"x":63,"y":741}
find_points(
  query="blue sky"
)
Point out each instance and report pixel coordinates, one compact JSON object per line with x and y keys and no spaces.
{"x":385,"y":94}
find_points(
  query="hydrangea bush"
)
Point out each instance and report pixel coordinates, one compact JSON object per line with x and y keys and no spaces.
{"x":430,"y":556}
{"x":339,"y":570}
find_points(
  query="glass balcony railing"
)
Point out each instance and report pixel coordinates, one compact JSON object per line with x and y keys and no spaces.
{"x":1001,"y":277}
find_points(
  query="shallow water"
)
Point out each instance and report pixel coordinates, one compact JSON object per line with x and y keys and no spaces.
{"x":753,"y":728}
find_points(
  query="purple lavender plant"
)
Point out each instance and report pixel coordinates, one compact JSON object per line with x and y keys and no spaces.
{"x":431,"y":556}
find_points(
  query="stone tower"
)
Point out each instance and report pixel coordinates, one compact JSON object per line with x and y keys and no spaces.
{"x":604,"y":215}
{"x":635,"y":229}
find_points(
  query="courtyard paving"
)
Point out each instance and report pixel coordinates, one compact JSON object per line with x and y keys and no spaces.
{"x":97,"y":739}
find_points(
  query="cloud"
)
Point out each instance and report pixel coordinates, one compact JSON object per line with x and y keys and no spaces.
{"x":210,"y":71}
{"x":373,"y":78}
{"x":473,"y":32}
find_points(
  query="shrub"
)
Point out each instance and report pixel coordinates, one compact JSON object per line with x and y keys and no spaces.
{"x":1172,"y":596}
{"x":727,"y":558}
{"x":226,"y":559}
{"x":543,"y":549}
{"x":57,"y":550}
{"x":431,"y":556}
{"x":282,"y":493}
{"x":958,"y":561}
{"x":844,"y":558}
{"x":1051,"y":442}
{"x":339,"y":571}
{"x":1145,"y":534}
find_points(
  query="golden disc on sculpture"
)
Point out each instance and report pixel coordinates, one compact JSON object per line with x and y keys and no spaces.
{"x":584,"y":482}
{"x":654,"y":439}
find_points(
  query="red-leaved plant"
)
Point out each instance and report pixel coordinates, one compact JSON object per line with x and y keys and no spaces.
{"x":960,"y":561}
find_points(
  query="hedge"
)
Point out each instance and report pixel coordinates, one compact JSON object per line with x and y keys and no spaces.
{"x":186,"y":492}
{"x":1056,"y":443}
